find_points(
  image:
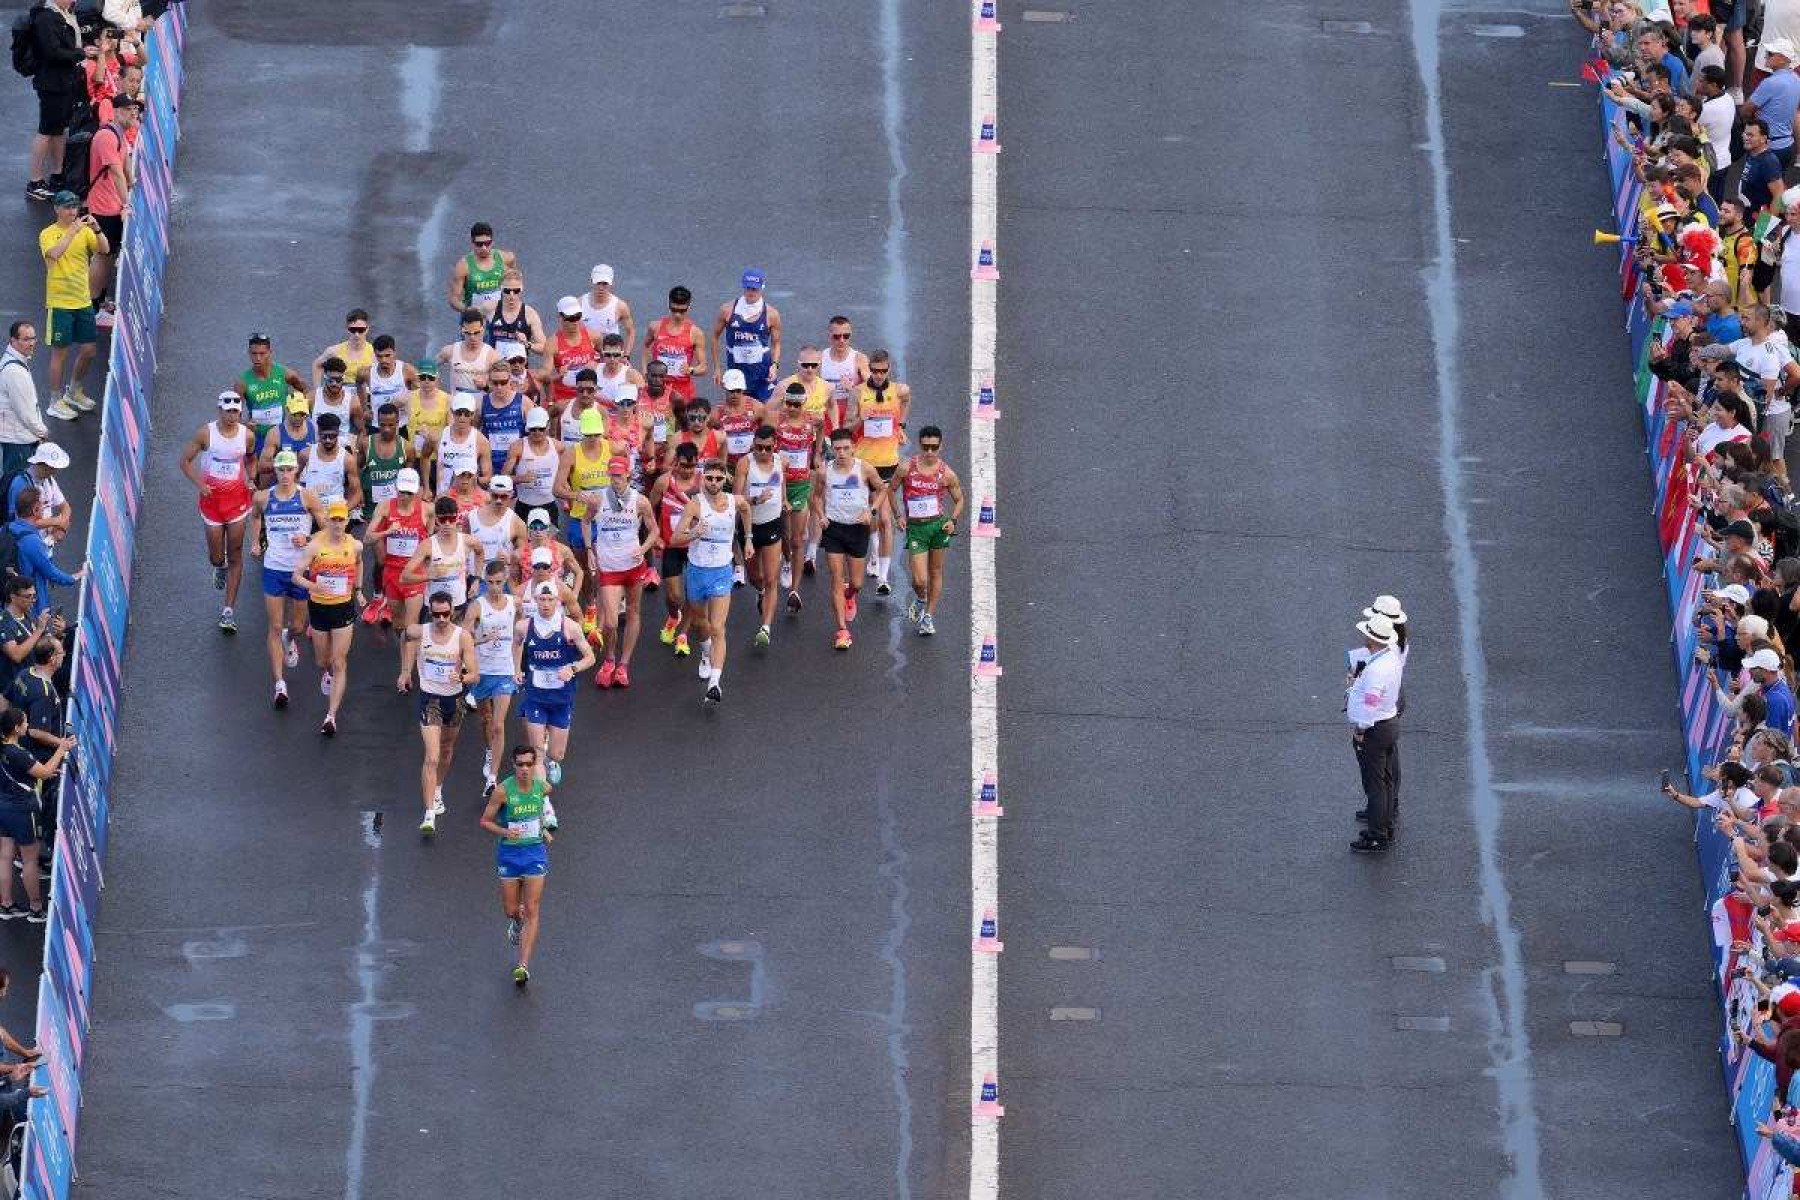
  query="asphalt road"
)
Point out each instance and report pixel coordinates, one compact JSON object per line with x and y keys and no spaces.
{"x":1211,"y":326}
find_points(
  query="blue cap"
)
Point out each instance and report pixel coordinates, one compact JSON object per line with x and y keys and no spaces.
{"x":753,"y":278}
{"x":1683,"y":309}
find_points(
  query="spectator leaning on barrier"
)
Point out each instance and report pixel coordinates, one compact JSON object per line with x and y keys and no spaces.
{"x":59,"y":85}
{"x":110,"y":175}
{"x":21,"y":424}
{"x":68,"y":246}
{"x":34,"y":561}
{"x":23,"y":627}
{"x":54,"y":514}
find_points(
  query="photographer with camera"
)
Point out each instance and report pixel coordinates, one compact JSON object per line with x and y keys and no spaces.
{"x":69,"y":246}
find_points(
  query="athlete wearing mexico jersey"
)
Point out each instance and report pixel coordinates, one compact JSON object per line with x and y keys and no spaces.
{"x":624,"y":531}
{"x":446,"y":662}
{"x":669,"y":496}
{"x":532,"y":464}
{"x":397,"y":529}
{"x":354,"y":354}
{"x":604,"y":311}
{"x":217,"y":461}
{"x":264,"y":387}
{"x":549,"y":653}
{"x":476,"y":279}
{"x":288,"y":514}
{"x":928,"y":506}
{"x":328,"y":570}
{"x":761,"y":481}
{"x":747,"y":332}
{"x":388,"y":380}
{"x":846,"y":493}
{"x":679,"y":343}
{"x":518,"y":813}
{"x":797,"y":441}
{"x":491,"y":621}
{"x":710,"y":525}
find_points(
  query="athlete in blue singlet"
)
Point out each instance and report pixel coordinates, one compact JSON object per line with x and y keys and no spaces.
{"x":748,"y":333}
{"x":552,"y":653}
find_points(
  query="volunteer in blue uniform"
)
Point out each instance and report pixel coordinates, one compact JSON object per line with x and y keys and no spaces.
{"x":748,"y":334}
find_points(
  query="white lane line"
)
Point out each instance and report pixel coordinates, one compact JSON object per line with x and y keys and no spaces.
{"x":1509,"y":1045}
{"x":984,"y":724}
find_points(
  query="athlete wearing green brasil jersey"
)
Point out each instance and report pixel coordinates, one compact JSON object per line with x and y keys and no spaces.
{"x":264,"y":387}
{"x":517,"y":813}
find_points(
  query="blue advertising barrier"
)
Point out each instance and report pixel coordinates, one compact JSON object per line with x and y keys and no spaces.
{"x":1705,"y":722}
{"x":97,"y":672}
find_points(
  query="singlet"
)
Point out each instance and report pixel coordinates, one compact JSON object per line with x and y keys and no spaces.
{"x":568,"y":426}
{"x":569,"y":356}
{"x":494,"y":539}
{"x":283,"y":521}
{"x":674,"y":502}
{"x":265,"y":399}
{"x":503,"y":426}
{"x":673,"y":348}
{"x":481,"y":286}
{"x":470,"y":374}
{"x":494,"y":634}
{"x":602,"y":320}
{"x":341,"y":406}
{"x":454,"y":457}
{"x":447,"y":570}
{"x":795,"y":445}
{"x":662,"y":415}
{"x":757,"y":480}
{"x":534,"y":476}
{"x":325,"y":476}
{"x":616,"y":531}
{"x":739,"y":426}
{"x":223,"y":461}
{"x":404,"y":533}
{"x":466,"y":503}
{"x":440,"y":666}
{"x":522,"y":813}
{"x":879,"y":444}
{"x":287,"y":439}
{"x":818,"y":397}
{"x":846,"y":494}
{"x":380,"y":470}
{"x":923,"y":492}
{"x":334,"y":567}
{"x":509,"y":335}
{"x":840,"y":377}
{"x":587,"y":475}
{"x":747,"y":337}
{"x":610,"y":384}
{"x":426,"y":420}
{"x":389,"y":389}
{"x":353,"y":363}
{"x":711,"y":546}
{"x":547,"y":648}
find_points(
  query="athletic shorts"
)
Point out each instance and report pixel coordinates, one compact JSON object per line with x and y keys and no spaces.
{"x":489,"y":686}
{"x":759,"y":385}
{"x":527,"y":861}
{"x":550,"y":510}
{"x":20,"y":823}
{"x":799,"y":495}
{"x":398,"y":592}
{"x":112,"y":229}
{"x":73,"y":326}
{"x":674,"y":561}
{"x":842,"y":538}
{"x":927,"y":535}
{"x":705,"y":583}
{"x":621,"y":579}
{"x":887,"y":473}
{"x":327,"y":617}
{"x":54,"y":111}
{"x":445,"y":711}
{"x":226,"y":503}
{"x":576,"y":534}
{"x":767,"y":533}
{"x":542,"y":710}
{"x":1776,"y":427}
{"x":281,"y":584}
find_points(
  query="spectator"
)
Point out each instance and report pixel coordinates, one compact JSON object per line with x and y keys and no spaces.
{"x":58,"y":84}
{"x":20,"y":774}
{"x":21,"y":424}
{"x":1776,"y":97}
{"x":1674,"y":361}
{"x":1705,"y":47}
{"x":111,"y":172}
{"x":1717,"y":117}
{"x":1761,"y":181}
{"x":34,"y":693}
{"x":68,"y":246}
{"x":53,"y":516}
{"x":34,"y":555}
{"x":23,"y":626}
{"x":1765,"y":671}
{"x":102,"y":70}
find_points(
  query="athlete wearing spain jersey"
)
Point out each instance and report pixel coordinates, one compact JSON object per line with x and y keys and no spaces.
{"x":217,"y":462}
{"x":289,"y":514}
{"x":571,"y":348}
{"x":928,"y":506}
{"x":625,"y":532}
{"x":518,"y":813}
{"x":679,"y":344}
{"x":881,"y":408}
{"x":328,"y":569}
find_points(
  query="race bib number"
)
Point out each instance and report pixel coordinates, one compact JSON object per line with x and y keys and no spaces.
{"x":659,"y":431}
{"x":546,"y":678}
{"x":748,"y":355}
{"x":522,"y":830}
{"x":402,"y":545}
{"x":739,"y":443}
{"x":799,"y":460}
{"x":383,"y":491}
{"x":878,"y":427}
{"x":508,"y":348}
{"x":334,"y":585}
{"x":922,"y":507}
{"x":440,"y":671}
{"x":675,"y":360}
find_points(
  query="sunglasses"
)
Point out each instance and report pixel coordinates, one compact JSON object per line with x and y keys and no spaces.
{"x":840,"y":337}
{"x":587,"y":389}
{"x":512,"y":291}
{"x":357,"y":328}
{"x":481,"y":243}
{"x":792,"y":404}
{"x":715,"y":478}
{"x":338,"y":379}
{"x":678,"y":309}
{"x":612,"y":354}
{"x":440,"y":616}
{"x":811,"y":366}
{"x":929,"y":447}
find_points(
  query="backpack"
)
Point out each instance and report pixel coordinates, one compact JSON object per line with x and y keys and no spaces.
{"x":25,"y":58}
{"x":9,"y":552}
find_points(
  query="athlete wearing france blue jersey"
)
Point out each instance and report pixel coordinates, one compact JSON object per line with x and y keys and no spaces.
{"x":503,"y":410}
{"x":748,"y":333}
{"x":550,"y":652}
{"x":517,"y":813}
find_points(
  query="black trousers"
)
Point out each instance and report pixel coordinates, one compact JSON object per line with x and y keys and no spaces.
{"x":1378,"y":760}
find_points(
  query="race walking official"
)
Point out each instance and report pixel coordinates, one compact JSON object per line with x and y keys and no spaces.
{"x":1372,"y":706}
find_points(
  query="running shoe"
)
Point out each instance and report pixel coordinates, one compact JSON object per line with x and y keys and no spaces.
{"x":428,"y":826}
{"x":218,"y":577}
{"x":37,"y":189}
{"x":371,"y":612}
{"x":914,"y":606}
{"x":810,"y":565}
{"x":324,"y":683}
{"x":550,"y":821}
{"x":328,"y":727}
{"x":488,"y":784}
{"x":850,"y":607}
{"x":793,"y":602}
{"x":667,"y":635}
{"x":227,"y":620}
{"x":81,"y":400}
{"x":706,"y":659}
{"x":10,"y":912}
{"x":842,"y":642}
{"x":290,"y":649}
{"x":521,"y":976}
{"x":927,"y":626}
{"x":62,"y":410}
{"x":714,"y":693}
{"x":487,"y":762}
{"x":36,"y":916}
{"x":737,"y":576}
{"x":512,"y":930}
{"x":553,"y":772}
{"x":603,"y":678}
{"x":761,"y":641}
{"x":787,"y":574}
{"x":281,"y":696}
{"x":682,"y":649}
{"x":871,"y":568}
{"x":882,"y":588}
{"x":622,"y":677}
{"x":437,"y":801}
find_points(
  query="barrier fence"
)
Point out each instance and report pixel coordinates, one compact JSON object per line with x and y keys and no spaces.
{"x":97,"y":673}
{"x":1706,"y":725}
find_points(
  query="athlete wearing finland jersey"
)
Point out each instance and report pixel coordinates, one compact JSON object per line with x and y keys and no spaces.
{"x":491,"y":622}
{"x":846,"y":491}
{"x":709,"y":524}
{"x":548,"y":653}
{"x":289,"y":514}
{"x":748,"y":333}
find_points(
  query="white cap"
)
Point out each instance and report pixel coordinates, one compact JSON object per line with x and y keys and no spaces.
{"x":537,"y":418}
{"x":1764,"y":660}
{"x":501,"y":484}
{"x":538,"y":516}
{"x":1781,"y":46}
{"x":1737,"y":593}
{"x":603,"y":273}
{"x":464,"y":402}
{"x":734,"y":381}
{"x":230,"y":400}
{"x":1378,"y":629}
{"x":407,"y":481}
{"x":543,"y":556}
{"x":625,"y":393}
{"x":1386,"y":606}
{"x":568,"y":306}
{"x":545,"y":589}
{"x":50,"y":455}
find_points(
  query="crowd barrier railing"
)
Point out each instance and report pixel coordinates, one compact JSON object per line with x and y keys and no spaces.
{"x":65,"y":986}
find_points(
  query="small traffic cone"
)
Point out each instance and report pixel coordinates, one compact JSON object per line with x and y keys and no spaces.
{"x":987,"y":19}
{"x":984,"y":519}
{"x":985,"y":267}
{"x":989,"y":1107}
{"x":987,"y":664}
{"x":987,"y":139}
{"x":987,"y":937}
{"x":985,"y":408}
{"x":987,"y":800}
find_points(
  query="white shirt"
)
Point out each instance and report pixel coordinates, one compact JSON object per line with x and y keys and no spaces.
{"x":1375,"y":695}
{"x":1716,"y":116}
{"x":1770,"y":359}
